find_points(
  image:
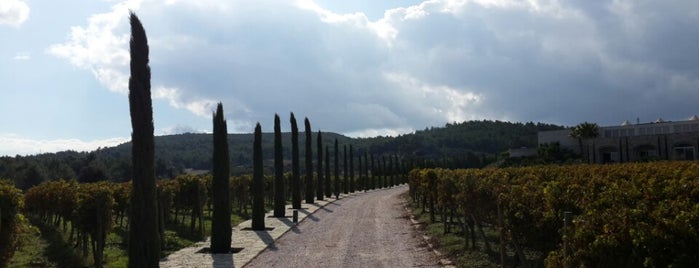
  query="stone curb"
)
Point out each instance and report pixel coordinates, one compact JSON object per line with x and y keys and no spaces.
{"x":443,"y":260}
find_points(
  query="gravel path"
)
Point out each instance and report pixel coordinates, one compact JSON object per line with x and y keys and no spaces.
{"x":364,"y":230}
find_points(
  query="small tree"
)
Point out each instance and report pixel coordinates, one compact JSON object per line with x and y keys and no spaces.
{"x":279,"y":189}
{"x":258,"y":183}
{"x":309,"y":163}
{"x":295,"y":169}
{"x":221,"y":218}
{"x":144,"y":238}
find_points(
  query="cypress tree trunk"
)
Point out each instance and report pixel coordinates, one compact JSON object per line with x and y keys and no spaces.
{"x":258,"y":183}
{"x":328,"y":189}
{"x":319,"y":190}
{"x":295,"y":168}
{"x":221,"y":218}
{"x":144,"y":245}
{"x":279,"y":189}
{"x":344,"y":169}
{"x":309,"y":163}
{"x":351,"y":169}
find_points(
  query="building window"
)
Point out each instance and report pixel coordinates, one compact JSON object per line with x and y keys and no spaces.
{"x":684,"y":153}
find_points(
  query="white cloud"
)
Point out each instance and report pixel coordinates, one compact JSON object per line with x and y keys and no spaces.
{"x":22,"y":56}
{"x":13,"y":12}
{"x":449,"y":103}
{"x":11,"y":144}
{"x":422,"y":65}
{"x":179,"y":129}
{"x":387,"y":132}
{"x":101,"y":46}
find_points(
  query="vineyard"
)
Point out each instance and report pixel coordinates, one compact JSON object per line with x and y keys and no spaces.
{"x":85,"y":214}
{"x":627,"y":215}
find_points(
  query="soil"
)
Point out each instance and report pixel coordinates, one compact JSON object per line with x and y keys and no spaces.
{"x":364,"y":230}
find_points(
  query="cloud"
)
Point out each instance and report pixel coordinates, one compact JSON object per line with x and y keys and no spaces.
{"x":422,"y":65}
{"x":179,"y":129}
{"x":11,"y":145}
{"x":13,"y":12}
{"x":101,"y":47}
{"x":22,"y":56}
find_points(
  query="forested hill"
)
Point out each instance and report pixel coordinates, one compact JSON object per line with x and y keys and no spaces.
{"x":452,"y":140}
{"x":174,"y":153}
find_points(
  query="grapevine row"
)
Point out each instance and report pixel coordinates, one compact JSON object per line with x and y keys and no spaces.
{"x":630,"y":215}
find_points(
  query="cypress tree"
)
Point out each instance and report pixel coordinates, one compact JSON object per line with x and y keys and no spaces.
{"x":366,"y":172}
{"x":351,"y":168}
{"x":391,"y":172}
{"x":221,"y":218}
{"x":328,"y":189}
{"x":258,"y":183}
{"x":344,"y":169}
{"x":396,"y":170}
{"x":337,"y":170}
{"x":279,"y":189}
{"x":319,"y":190}
{"x":309,"y":163}
{"x":384,"y":173}
{"x":144,"y":237}
{"x":373,"y":173}
{"x":295,"y":169}
{"x":360,"y":186}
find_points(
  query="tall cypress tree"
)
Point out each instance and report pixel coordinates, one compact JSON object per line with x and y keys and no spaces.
{"x":328,"y":183}
{"x":221,"y":218}
{"x":319,"y":190}
{"x":144,"y":237}
{"x":279,"y":188}
{"x":351,"y":168}
{"x":345,"y":173}
{"x":295,"y":168}
{"x":309,"y":163}
{"x":258,"y":183}
{"x":337,"y":170}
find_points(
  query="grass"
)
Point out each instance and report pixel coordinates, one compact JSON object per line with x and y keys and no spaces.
{"x":48,"y":246}
{"x":453,"y":245}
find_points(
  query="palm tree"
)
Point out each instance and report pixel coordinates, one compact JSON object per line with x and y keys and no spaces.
{"x":583,"y":132}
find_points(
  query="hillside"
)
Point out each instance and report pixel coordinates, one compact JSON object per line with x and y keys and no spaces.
{"x":468,"y":142}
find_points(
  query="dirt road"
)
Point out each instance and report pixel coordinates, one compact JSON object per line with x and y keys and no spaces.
{"x":365,"y":230}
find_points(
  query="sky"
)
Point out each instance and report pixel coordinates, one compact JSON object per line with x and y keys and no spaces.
{"x":361,"y":68}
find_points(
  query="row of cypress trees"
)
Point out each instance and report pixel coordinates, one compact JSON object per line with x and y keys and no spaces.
{"x":324,"y":186}
{"x":144,"y":235}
